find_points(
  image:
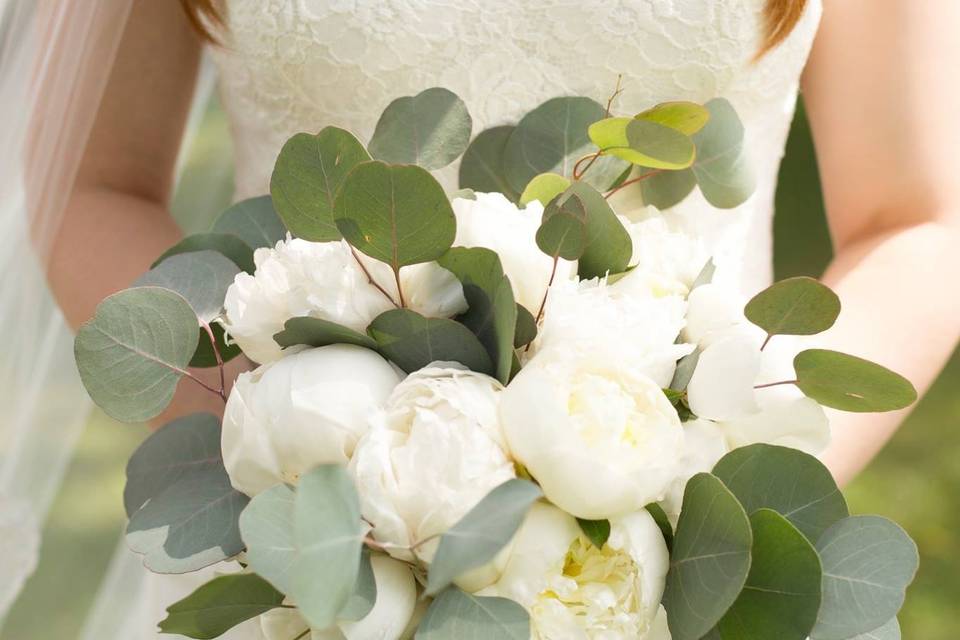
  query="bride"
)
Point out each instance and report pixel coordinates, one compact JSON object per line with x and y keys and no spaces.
{"x":111,"y":83}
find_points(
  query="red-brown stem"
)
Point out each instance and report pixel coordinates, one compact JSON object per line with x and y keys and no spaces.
{"x":631,"y":181}
{"x":543,"y":303}
{"x":766,"y":342}
{"x":374,"y":282}
{"x":216,"y":353}
{"x":591,"y":157}
{"x":396,"y":276}
{"x":774,"y":384}
{"x":616,"y":93}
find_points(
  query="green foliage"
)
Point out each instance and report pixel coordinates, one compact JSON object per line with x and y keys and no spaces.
{"x":597,"y":531}
{"x":665,"y":189}
{"x":686,"y":117}
{"x":643,"y":142}
{"x":254,"y":220}
{"x":609,"y":246}
{"x":430,"y":129}
{"x":849,"y":383}
{"x":317,"y":332}
{"x":266,"y":526}
{"x":219,"y":605}
{"x":204,"y":357}
{"x":477,"y":537}
{"x":685,"y":368}
{"x":798,"y":306}
{"x":889,"y":631}
{"x":710,"y":559}
{"x":868,"y":562}
{"x":706,"y":274}
{"x":794,"y":484}
{"x":457,"y":615}
{"x":545,"y":187}
{"x":482,"y":167}
{"x":395,"y":214}
{"x":492,"y":314}
{"x":309,"y":171}
{"x":526,"y":327}
{"x":364,"y":594}
{"x":663,"y":522}
{"x":133,"y":352}
{"x":226,"y":243}
{"x":782,"y":594}
{"x":201,"y":277}
{"x":563,"y":230}
{"x":412,"y":341}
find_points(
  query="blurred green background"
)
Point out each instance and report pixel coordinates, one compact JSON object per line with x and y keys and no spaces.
{"x":916,"y":480}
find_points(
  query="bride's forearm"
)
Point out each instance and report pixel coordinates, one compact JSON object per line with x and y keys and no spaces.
{"x":900,"y":308}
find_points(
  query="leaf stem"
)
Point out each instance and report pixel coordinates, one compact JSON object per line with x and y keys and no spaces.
{"x":592,"y":157}
{"x":303,"y":635}
{"x":370,"y":279}
{"x":766,"y":341}
{"x":216,"y":353}
{"x":396,"y":276}
{"x":774,"y":384}
{"x":615,"y":95}
{"x":419,"y":543}
{"x":631,"y":181}
{"x":543,"y":303}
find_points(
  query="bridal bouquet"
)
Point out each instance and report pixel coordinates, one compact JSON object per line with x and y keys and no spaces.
{"x":502,"y":413}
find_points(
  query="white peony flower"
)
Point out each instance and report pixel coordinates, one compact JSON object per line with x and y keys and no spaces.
{"x":573,"y":590}
{"x":599,"y":435}
{"x":307,"y":409}
{"x":395,"y":604}
{"x":669,"y":260}
{"x":494,"y":222}
{"x":324,"y":280}
{"x":704,"y":444}
{"x":433,"y":452}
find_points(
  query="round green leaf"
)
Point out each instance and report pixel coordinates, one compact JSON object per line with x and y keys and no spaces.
{"x":609,"y":246}
{"x":481,"y":168}
{"x":545,"y":187}
{"x":889,"y":631}
{"x":526,"y":331}
{"x":364,"y":594}
{"x":868,"y":562}
{"x":201,"y":277}
{"x":710,"y":559}
{"x":799,"y":306}
{"x":563,"y":232}
{"x":479,"y":535}
{"x":266,"y":526}
{"x":666,"y":188}
{"x":430,"y":129}
{"x":204,"y":357}
{"x":395,"y":214}
{"x":722,"y":168}
{"x":457,"y":615}
{"x":219,"y":605}
{"x":412,"y":342}
{"x":685,"y":117}
{"x":792,"y":483}
{"x":849,"y":383}
{"x":309,"y":171}
{"x":254,"y":221}
{"x":643,"y":142}
{"x":316,"y":332}
{"x":226,"y":243}
{"x":663,"y":522}
{"x":782,"y":594}
{"x":132,"y":353}
{"x":597,"y":531}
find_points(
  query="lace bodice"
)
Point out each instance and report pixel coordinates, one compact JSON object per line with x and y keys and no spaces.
{"x":299,"y":65}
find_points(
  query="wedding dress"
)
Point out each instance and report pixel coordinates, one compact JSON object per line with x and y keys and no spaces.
{"x":287,"y":66}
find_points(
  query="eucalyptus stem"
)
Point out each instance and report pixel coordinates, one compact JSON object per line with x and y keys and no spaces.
{"x":370,"y":279}
{"x":419,"y":543}
{"x":631,"y":181}
{"x":219,"y":357}
{"x":303,"y":635}
{"x":774,"y":384}
{"x":592,"y":157}
{"x":543,"y":303}
{"x":396,"y":275}
{"x":766,"y":341}
{"x":616,"y":94}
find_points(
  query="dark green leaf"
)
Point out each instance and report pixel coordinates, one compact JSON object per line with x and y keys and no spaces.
{"x":254,"y":221}
{"x":226,"y":243}
{"x":412,"y":341}
{"x":204,"y":357}
{"x":309,"y":172}
{"x":457,"y":615}
{"x":609,"y":246}
{"x":430,"y":129}
{"x":201,"y":277}
{"x":526,"y":327}
{"x":868,"y":562}
{"x":597,"y":531}
{"x":663,"y":522}
{"x":563,"y":231}
{"x":791,"y":482}
{"x":782,"y":594}
{"x":219,"y":605}
{"x":316,"y":332}
{"x":710,"y":560}
{"x":481,"y":168}
{"x":492,"y":313}
{"x":133,"y":352}
{"x":799,"y":306}
{"x":482,"y":533}
{"x":849,"y":383}
{"x":395,"y":214}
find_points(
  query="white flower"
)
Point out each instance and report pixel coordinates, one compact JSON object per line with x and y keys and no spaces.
{"x":307,"y":409}
{"x":704,"y":445}
{"x":670,"y":260}
{"x":494,"y":222}
{"x":599,"y":435}
{"x":324,"y":280}
{"x":394,"y":606}
{"x":574,"y":591}
{"x":434,"y":452}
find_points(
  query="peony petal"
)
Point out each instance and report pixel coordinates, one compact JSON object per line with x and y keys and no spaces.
{"x":799,"y":423}
{"x":722,"y":386}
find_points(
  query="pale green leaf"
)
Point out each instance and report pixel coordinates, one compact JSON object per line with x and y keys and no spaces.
{"x":201,"y":277}
{"x":545,"y":187}
{"x":254,"y":221}
{"x":457,"y":615}
{"x":685,"y":117}
{"x":226,"y":243}
{"x":266,"y":526}
{"x":849,"y":383}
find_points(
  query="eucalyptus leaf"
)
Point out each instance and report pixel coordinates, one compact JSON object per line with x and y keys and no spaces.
{"x":430,"y":129}
{"x":204,"y":356}
{"x":798,"y":306}
{"x":317,"y":332}
{"x":685,"y":117}
{"x":609,"y":246}
{"x":868,"y":562}
{"x":225,"y":243}
{"x":563,"y":230}
{"x":133,"y":352}
{"x":463,"y":194}
{"x":266,"y":527}
{"x":665,"y":189}
{"x":849,"y":383}
{"x":706,"y":275}
{"x":722,"y":168}
{"x":364,"y":594}
{"x":545,"y":187}
{"x":889,"y":631}
{"x":254,"y":220}
{"x":309,"y":171}
{"x":597,"y":531}
{"x":481,"y":168}
{"x":395,"y":214}
{"x":219,"y":605}
{"x":201,"y":277}
{"x":663,"y":523}
{"x":412,"y":342}
{"x":782,"y":594}
{"x":492,"y":314}
{"x":710,"y":559}
{"x":479,"y":535}
{"x":457,"y":615}
{"x":643,"y":142}
{"x":792,"y":483}
{"x":685,"y":368}
{"x":526,"y":331}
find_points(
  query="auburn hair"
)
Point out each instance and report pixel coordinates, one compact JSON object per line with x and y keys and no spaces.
{"x":779,"y":18}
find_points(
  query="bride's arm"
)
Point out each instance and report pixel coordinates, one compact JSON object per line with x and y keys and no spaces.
{"x":884,"y":102}
{"x":117,"y":220}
